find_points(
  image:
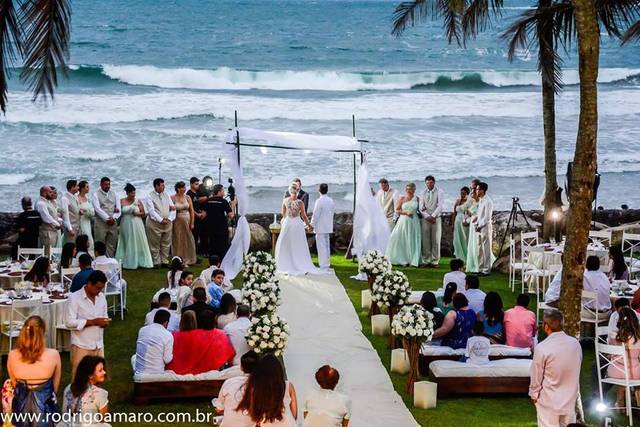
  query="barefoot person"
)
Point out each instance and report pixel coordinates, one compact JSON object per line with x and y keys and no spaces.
{"x":485,"y":228}
{"x":404,"y":243}
{"x":386,"y":198}
{"x":322,"y":223}
{"x":107,"y":208}
{"x":162,"y":213}
{"x":431,"y":205}
{"x":70,"y":211}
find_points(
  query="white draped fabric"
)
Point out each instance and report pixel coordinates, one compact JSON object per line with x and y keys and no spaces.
{"x":299,"y":141}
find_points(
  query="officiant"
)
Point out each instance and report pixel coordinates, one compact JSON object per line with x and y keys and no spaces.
{"x":302,"y":195}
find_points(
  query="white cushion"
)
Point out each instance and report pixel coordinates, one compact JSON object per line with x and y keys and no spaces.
{"x":493,"y":369}
{"x":439,"y":350}
{"x":233,"y":371}
{"x":496,"y":350}
{"x":505,"y":350}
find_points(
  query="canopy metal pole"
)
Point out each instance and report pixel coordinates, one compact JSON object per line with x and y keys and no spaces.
{"x":237,"y":135}
{"x":353,"y":126}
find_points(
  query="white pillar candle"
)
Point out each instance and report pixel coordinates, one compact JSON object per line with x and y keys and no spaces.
{"x":425,"y":394}
{"x":380,"y":325}
{"x":400,"y":361}
{"x":366,"y":299}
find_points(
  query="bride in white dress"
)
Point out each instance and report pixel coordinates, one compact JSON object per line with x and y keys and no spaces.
{"x":292,"y":249}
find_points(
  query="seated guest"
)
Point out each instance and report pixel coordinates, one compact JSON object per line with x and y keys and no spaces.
{"x":113,"y":273}
{"x":492,"y":317}
{"x":200,"y":305}
{"x":214,"y":264}
{"x":39,"y":273}
{"x":82,"y":276}
{"x":598,"y":282}
{"x":231,"y":394}
{"x":618,"y":269}
{"x":214,"y":289}
{"x":198,"y":283}
{"x":429,"y":303}
{"x":164,"y":303}
{"x":236,"y":331}
{"x":268,"y":398}
{"x":552,"y":296}
{"x":201,"y":350}
{"x":84,"y":395}
{"x":456,"y":274}
{"x":458,"y":324}
{"x":520,"y":327}
{"x":446,"y":302}
{"x":628,"y":335}
{"x":227,"y":311}
{"x":82,"y":247}
{"x":154,"y":347}
{"x":473,"y":293}
{"x":68,"y":254}
{"x":478,"y":346}
{"x":619,"y":304}
{"x":174,"y":273}
{"x":184,"y":291}
{"x":326,"y":407}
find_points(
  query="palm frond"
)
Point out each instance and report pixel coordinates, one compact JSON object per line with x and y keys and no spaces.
{"x":614,"y":15}
{"x":451,"y":20}
{"x":46,"y":44}
{"x":518,"y":34}
{"x":477,"y":17}
{"x":10,"y":44}
{"x":633,"y":33}
{"x":410,"y":13}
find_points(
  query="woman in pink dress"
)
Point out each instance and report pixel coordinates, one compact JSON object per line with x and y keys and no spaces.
{"x":629,"y":335}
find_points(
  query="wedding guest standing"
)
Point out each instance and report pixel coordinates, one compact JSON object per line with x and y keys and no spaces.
{"x":555,"y":374}
{"x":404,"y":243}
{"x":183,"y":244}
{"x":159,"y":224}
{"x":192,"y":193}
{"x":485,"y":228}
{"x":460,"y":228}
{"x":70,"y":211}
{"x":386,"y":198}
{"x":51,"y":224}
{"x":107,"y":208}
{"x":86,"y":212}
{"x":322,"y":222}
{"x":431,"y":206}
{"x":83,"y":397}
{"x":133,"y":248}
{"x":219,"y":213}
{"x":28,"y":227}
{"x":473,"y":243}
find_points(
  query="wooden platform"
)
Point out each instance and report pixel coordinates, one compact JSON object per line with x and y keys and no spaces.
{"x":456,"y":386}
{"x":144,"y":393}
{"x":425,"y":361}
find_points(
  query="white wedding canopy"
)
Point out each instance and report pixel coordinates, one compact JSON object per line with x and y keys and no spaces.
{"x":369,"y":232}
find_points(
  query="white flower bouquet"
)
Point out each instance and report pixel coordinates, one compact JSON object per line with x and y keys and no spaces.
{"x":413,"y":322}
{"x":258,"y":264}
{"x":262,"y":294}
{"x":390,"y":288}
{"x":268,"y":334}
{"x":374,"y":263}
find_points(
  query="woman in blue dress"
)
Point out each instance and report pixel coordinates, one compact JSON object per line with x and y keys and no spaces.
{"x":458,"y":324}
{"x":405,"y":241}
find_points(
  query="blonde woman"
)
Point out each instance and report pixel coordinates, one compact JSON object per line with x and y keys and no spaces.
{"x":406,"y":241}
{"x":34,"y":373}
{"x":292,"y":249}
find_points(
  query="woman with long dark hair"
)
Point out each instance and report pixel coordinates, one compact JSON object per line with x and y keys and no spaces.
{"x":430,"y":303}
{"x":269,"y":400}
{"x":84,"y":396}
{"x":175,"y":272}
{"x":133,"y":247}
{"x":628,"y":335}
{"x":227,"y":311}
{"x":67,"y":255}
{"x":446,"y":302}
{"x":39,"y":273}
{"x":618,"y":269}
{"x":492,"y":318}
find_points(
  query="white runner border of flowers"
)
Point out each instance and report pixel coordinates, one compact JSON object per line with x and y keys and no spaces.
{"x":325,"y":329}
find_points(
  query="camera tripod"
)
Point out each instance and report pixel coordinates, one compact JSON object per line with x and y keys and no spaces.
{"x":511,"y":222}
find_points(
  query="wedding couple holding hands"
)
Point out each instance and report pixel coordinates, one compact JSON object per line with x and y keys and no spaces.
{"x":292,"y":250}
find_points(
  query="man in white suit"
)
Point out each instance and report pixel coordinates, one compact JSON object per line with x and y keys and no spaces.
{"x":386,"y":198}
{"x":322,"y":222}
{"x":485,"y":228}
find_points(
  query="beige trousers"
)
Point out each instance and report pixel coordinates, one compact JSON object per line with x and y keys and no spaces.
{"x":159,"y":238}
{"x":107,"y":234}
{"x":48,"y":238}
{"x":431,"y":235}
{"x":76,"y":354}
{"x":485,"y":254}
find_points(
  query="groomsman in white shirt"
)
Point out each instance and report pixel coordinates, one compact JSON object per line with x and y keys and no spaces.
{"x":386,"y":198}
{"x":431,"y":204}
{"x":70,"y":211}
{"x":159,"y":224}
{"x":322,"y":223}
{"x":50,"y":225}
{"x":485,"y":228}
{"x":107,"y":207}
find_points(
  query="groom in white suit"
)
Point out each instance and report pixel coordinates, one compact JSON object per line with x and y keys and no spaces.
{"x":322,"y":222}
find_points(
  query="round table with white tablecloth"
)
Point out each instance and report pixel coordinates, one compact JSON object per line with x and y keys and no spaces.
{"x":51,"y":311}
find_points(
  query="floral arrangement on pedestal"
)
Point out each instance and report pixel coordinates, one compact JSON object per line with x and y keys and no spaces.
{"x":373,"y":263}
{"x":262,"y":295}
{"x":391,"y":289}
{"x":414,"y":325}
{"x":268,"y":334}
{"x":258,"y":264}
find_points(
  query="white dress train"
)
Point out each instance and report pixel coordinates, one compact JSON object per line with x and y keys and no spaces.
{"x":292,"y":249}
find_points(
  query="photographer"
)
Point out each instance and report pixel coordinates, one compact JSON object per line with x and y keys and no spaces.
{"x":219,"y":212}
{"x":205,"y":190}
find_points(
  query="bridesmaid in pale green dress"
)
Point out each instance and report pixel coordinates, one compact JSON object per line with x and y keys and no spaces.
{"x":460,"y":228}
{"x":405,"y":244}
{"x":473,"y":245}
{"x":86,"y":212}
{"x":133,"y":247}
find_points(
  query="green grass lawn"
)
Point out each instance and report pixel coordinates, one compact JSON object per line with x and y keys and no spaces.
{"x":120,"y":344}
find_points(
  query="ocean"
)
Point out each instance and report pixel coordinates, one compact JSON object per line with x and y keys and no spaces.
{"x":153,"y":87}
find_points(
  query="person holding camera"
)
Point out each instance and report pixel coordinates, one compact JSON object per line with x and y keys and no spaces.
{"x":219,"y":212}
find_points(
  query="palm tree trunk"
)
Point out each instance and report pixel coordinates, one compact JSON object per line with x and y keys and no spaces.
{"x":584,"y":166}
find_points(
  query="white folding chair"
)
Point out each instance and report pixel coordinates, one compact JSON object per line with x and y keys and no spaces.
{"x":631,"y":245}
{"x":514,"y":266}
{"x":21,"y":310}
{"x":115,"y":286}
{"x":29,"y":254}
{"x":66,"y":276}
{"x":590,"y":312}
{"x":528,"y":241}
{"x":600,"y":236}
{"x":615,"y":356}
{"x":55,"y":254}
{"x":545,"y":280}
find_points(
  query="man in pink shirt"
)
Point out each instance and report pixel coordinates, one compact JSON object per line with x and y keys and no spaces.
{"x":555,"y":374}
{"x":520,"y":326}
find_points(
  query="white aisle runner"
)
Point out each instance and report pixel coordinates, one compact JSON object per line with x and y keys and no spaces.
{"x":325,"y":329}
